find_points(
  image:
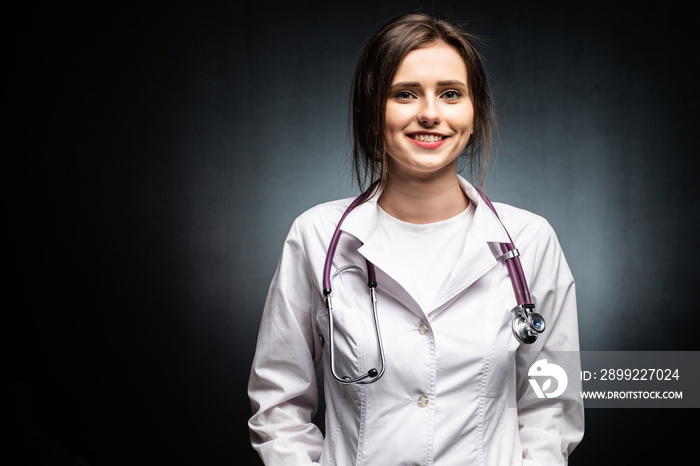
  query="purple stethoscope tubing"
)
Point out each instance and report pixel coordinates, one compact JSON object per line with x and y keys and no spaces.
{"x":334,"y":244}
{"x":515,"y":269}
{"x":526,"y":324}
{"x":373,"y":374}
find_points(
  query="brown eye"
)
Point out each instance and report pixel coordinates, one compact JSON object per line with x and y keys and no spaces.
{"x":452,"y":95}
{"x":403,"y":95}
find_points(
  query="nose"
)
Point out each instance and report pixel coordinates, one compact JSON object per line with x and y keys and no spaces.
{"x":429,"y":114}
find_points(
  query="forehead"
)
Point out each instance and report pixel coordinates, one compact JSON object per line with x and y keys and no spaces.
{"x":436,"y":62}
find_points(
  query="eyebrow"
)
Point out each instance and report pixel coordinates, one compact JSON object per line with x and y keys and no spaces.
{"x":439,"y":83}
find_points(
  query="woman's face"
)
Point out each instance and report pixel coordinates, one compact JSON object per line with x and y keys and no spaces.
{"x":429,"y":113}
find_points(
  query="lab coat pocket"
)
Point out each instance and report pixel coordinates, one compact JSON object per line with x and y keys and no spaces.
{"x":499,"y":356}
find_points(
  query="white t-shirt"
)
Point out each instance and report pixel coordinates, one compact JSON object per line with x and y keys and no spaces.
{"x":424,"y":254}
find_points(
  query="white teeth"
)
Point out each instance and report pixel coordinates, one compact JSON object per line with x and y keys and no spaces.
{"x":427,"y":137}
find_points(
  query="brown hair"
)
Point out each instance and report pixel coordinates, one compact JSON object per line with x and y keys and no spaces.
{"x":375,"y":70}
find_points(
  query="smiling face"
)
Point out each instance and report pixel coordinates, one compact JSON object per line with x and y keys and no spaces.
{"x":429,"y":113}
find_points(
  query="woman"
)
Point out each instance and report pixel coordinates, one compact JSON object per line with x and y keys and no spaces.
{"x":439,"y":387}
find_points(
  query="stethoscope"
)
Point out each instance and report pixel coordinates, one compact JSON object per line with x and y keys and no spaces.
{"x":526,"y":324}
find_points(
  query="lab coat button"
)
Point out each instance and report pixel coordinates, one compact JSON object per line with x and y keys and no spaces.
{"x":423,"y":328}
{"x":423,"y":401}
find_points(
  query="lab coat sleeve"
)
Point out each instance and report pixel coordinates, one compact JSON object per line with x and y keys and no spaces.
{"x":282,"y":385}
{"x":551,"y":428}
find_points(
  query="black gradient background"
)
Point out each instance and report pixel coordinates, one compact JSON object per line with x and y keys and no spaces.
{"x":158,"y":155}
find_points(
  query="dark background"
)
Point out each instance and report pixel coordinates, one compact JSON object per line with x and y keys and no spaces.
{"x":158,"y":155}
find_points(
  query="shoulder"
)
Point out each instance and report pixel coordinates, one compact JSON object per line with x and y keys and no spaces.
{"x":319,"y":221}
{"x":521,"y":220}
{"x":529,"y":231}
{"x":320,"y":215}
{"x":537,"y":241}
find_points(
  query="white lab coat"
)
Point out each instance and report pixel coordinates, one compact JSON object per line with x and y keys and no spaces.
{"x":448,"y":396}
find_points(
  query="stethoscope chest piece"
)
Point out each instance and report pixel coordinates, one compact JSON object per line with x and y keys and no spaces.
{"x":527,"y":324}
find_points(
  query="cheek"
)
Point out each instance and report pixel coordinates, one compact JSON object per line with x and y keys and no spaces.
{"x":463,"y":119}
{"x":396,"y":118}
{"x":470,"y":118}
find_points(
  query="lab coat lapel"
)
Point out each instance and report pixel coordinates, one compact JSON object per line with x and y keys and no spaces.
{"x":386,"y":265}
{"x":476,"y":260}
{"x":362,"y":221}
{"x":362,"y":224}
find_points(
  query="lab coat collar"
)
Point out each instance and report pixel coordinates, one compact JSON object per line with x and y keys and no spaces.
{"x":362,"y":221}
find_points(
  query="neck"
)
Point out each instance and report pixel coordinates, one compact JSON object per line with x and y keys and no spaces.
{"x":424,"y":201}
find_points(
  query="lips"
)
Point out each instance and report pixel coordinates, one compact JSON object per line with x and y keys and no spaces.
{"x":427,"y":140}
{"x":426,"y":137}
